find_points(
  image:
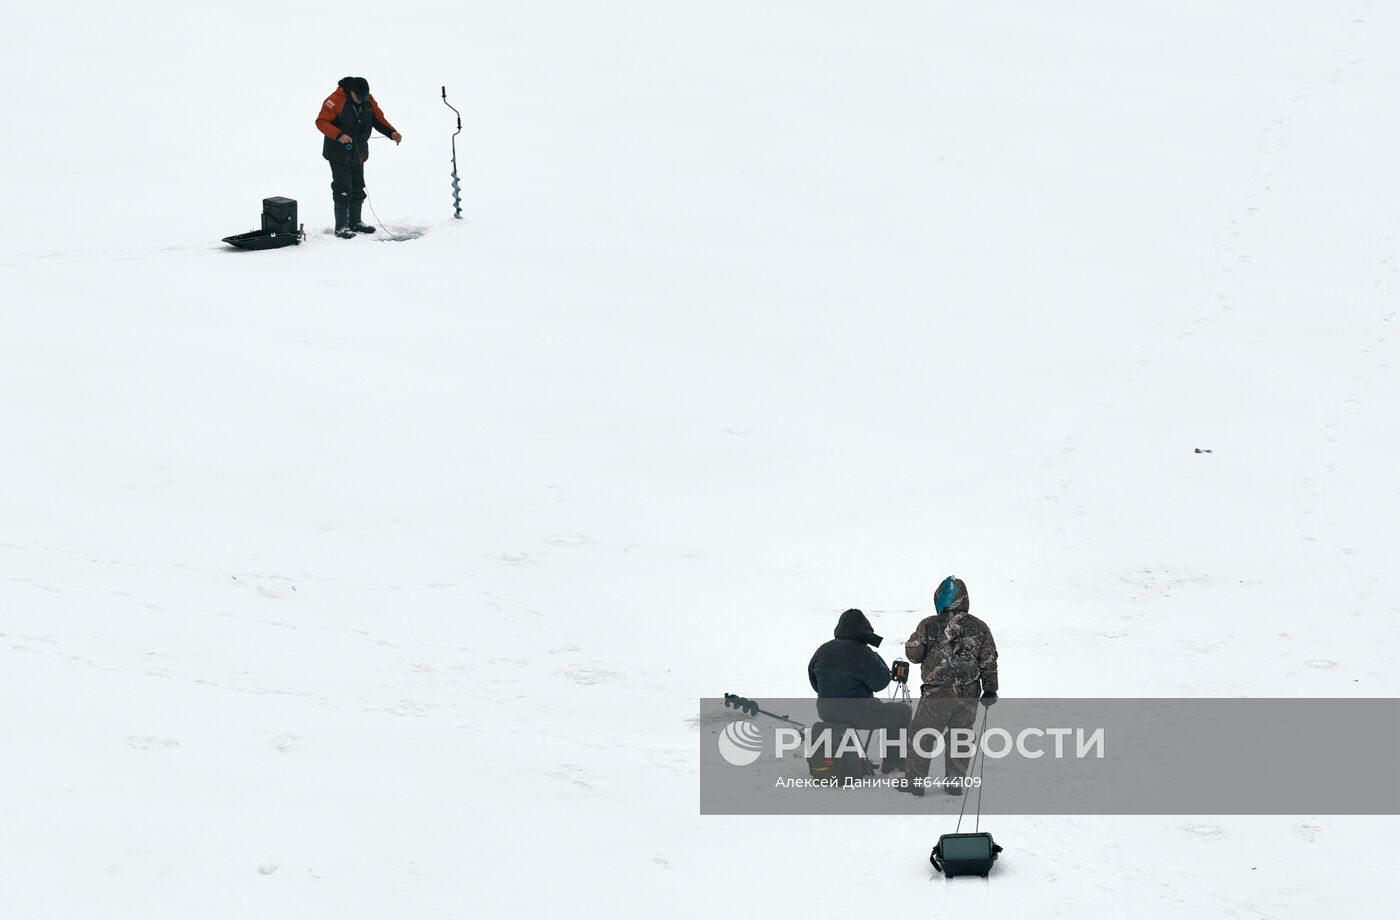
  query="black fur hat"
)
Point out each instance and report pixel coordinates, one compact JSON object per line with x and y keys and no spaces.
{"x":357,"y":85}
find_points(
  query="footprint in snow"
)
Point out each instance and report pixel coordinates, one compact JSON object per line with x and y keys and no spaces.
{"x":1206,"y":831}
{"x":589,"y":676}
{"x":1308,"y":831}
{"x":284,"y":743}
{"x":269,"y":586}
{"x":568,"y":539}
{"x":148,"y":743}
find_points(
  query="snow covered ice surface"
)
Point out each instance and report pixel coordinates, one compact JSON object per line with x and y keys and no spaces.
{"x":353,"y":580}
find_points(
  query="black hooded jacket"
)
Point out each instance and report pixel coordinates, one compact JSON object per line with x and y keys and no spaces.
{"x":847,"y":667}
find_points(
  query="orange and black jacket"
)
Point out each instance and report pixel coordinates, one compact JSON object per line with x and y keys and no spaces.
{"x":339,"y":115}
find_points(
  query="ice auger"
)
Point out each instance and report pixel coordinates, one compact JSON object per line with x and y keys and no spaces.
{"x":456,"y":183}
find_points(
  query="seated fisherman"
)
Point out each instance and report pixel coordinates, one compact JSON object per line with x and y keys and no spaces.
{"x":846,"y":673}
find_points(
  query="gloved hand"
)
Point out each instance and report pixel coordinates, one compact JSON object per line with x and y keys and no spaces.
{"x":989,"y":697}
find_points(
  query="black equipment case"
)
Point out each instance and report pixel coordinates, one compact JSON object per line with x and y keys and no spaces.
{"x":279,"y":227}
{"x":279,"y":215}
{"x":849,"y":765}
{"x":964,"y":854}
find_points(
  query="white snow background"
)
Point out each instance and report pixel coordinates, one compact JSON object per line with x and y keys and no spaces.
{"x":367,"y":579}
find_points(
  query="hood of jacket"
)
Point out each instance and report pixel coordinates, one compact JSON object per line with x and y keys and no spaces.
{"x":854,"y":625}
{"x":951,"y":597}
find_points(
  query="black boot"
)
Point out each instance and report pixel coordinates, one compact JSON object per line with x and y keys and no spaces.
{"x":342,"y":219}
{"x":356,"y":224}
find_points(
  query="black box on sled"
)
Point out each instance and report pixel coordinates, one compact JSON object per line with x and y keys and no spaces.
{"x":279,"y":227}
{"x":279,"y":215}
{"x":964,"y":854}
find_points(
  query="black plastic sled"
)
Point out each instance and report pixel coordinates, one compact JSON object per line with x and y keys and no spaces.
{"x":964,"y":854}
{"x":279,"y":227}
{"x":263,"y":239}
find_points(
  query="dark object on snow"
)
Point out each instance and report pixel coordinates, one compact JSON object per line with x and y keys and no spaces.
{"x":261,"y":239}
{"x":833,"y":756}
{"x":456,"y":183}
{"x":1206,"y":451}
{"x":279,"y":227}
{"x":279,"y":215}
{"x":964,"y":854}
{"x":750,"y":708}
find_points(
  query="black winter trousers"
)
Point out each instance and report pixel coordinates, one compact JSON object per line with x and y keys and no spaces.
{"x":940,"y":712}
{"x":869,"y":713}
{"x":890,"y":717}
{"x":348,"y":180}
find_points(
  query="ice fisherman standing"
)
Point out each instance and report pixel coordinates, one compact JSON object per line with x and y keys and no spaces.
{"x":959,"y":664}
{"x":346,"y":119}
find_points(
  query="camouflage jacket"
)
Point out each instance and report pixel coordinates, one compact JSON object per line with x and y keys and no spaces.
{"x":956,"y":651}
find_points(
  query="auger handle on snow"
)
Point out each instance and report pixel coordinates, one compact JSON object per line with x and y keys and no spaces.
{"x":750,"y":707}
{"x":456,"y":183}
